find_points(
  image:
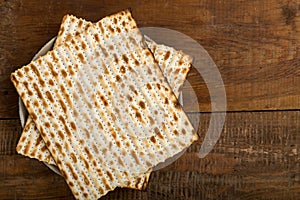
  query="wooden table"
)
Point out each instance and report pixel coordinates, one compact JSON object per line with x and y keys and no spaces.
{"x":255,"y":45}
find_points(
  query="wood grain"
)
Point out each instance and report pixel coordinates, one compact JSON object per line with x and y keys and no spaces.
{"x":257,"y":156}
{"x":254,"y":44}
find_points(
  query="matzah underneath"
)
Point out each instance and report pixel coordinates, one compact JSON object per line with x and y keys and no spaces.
{"x":174,"y":65}
{"x":155,"y":127}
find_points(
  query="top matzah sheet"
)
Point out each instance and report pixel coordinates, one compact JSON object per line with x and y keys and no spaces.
{"x":173,"y":63}
{"x":153,"y":126}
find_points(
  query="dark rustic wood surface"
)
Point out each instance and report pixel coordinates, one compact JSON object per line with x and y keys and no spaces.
{"x":255,"y":45}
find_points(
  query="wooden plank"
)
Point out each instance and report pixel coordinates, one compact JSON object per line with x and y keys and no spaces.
{"x":24,"y":178}
{"x":257,"y":156}
{"x":254,"y":43}
{"x":10,"y":132}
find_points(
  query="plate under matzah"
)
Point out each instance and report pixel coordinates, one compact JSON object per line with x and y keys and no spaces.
{"x":173,"y":63}
{"x":153,"y":126}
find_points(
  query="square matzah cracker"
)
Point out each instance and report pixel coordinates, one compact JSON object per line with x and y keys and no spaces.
{"x":175,"y":64}
{"x":133,"y":118}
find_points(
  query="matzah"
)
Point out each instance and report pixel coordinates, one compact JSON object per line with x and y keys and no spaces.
{"x":174,"y":64}
{"x":155,"y":127}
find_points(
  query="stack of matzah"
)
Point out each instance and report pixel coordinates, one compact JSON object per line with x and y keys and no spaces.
{"x":100,"y":107}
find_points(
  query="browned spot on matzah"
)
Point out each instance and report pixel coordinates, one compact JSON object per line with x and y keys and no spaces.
{"x":49,"y":96}
{"x":71,"y":70}
{"x":36,"y":103}
{"x":142,"y":104}
{"x":63,"y":106}
{"x":105,"y":184}
{"x":111,"y":47}
{"x":70,"y":83}
{"x":87,"y":151}
{"x":70,"y":183}
{"x":176,"y":104}
{"x":80,"y":24}
{"x":118,"y":143}
{"x":61,"y":135}
{"x":95,"y":149}
{"x":129,"y":97}
{"x":167,"y":55}
{"x":87,"y":27}
{"x":79,"y":88}
{"x":149,"y":71}
{"x":20,"y":74}
{"x":76,"y":97}
{"x":120,"y":161}
{"x":65,"y":125}
{"x":149,"y":86}
{"x":73,"y":126}
{"x":116,"y":58}
{"x":152,"y":138}
{"x":139,"y":116}
{"x":38,"y":141}
{"x":86,"y":164}
{"x":33,"y":116}
{"x":137,"y":182}
{"x":59,"y":147}
{"x":101,"y":27}
{"x":44,"y":148}
{"x":166,"y":101}
{"x":81,"y":58}
{"x":51,"y":82}
{"x":35,"y":70}
{"x":62,"y":29}
{"x":83,"y":45}
{"x":68,"y":37}
{"x":51,"y":67}
{"x":118,"y":78}
{"x":155,"y":112}
{"x":122,"y":69}
{"x":37,"y":89}
{"x":175,"y":117}
{"x":54,"y":56}
{"x":75,"y":176}
{"x":135,"y":157}
{"x":104,"y":100}
{"x":133,"y":89}
{"x":64,"y":73}
{"x":14,"y":80}
{"x":125,"y":58}
{"x":113,"y":117}
{"x":85,"y":178}
{"x":148,"y":163}
{"x":86,"y":133}
{"x":175,"y":132}
{"x":27,"y":148}
{"x":104,"y":52}
{"x":73,"y":157}
{"x":110,"y":175}
{"x":47,"y":124}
